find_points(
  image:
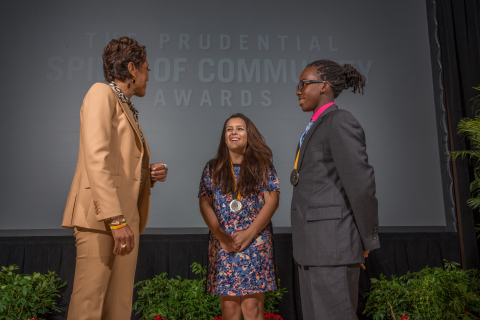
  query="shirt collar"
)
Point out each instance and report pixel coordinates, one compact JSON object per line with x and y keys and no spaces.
{"x":320,"y":111}
{"x":124,"y":99}
{"x":119,"y":92}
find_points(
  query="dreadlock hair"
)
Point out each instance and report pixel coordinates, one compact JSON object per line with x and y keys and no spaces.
{"x":339,"y":77}
{"x":255,"y":165}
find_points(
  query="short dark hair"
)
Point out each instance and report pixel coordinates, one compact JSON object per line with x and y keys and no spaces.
{"x":116,"y":56}
{"x":339,"y":77}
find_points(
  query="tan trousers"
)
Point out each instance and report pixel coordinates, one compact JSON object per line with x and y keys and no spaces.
{"x":103,"y":284}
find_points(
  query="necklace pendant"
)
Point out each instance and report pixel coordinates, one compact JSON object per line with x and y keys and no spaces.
{"x":236,"y":206}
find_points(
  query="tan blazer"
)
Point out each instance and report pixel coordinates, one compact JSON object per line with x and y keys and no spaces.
{"x":110,"y":159}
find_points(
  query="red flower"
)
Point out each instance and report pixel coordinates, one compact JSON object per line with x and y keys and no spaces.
{"x":269,"y":315}
{"x":404,"y":317}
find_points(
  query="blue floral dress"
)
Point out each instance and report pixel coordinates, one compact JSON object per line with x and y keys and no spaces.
{"x":252,"y":270}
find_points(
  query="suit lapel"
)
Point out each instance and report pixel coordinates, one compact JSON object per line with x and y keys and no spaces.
{"x":147,"y":149}
{"x":128,"y":113}
{"x":310,"y":133}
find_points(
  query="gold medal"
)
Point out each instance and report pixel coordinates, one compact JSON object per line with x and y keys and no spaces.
{"x":236,"y":204}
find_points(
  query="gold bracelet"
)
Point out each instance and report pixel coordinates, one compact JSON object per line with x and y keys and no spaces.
{"x":119,"y":226}
{"x":118,"y":222}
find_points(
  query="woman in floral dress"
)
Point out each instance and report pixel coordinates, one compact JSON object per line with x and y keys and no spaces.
{"x":239,"y":193}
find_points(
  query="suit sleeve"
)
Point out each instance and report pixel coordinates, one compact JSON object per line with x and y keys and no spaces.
{"x":96,"y":127}
{"x":347,"y":143}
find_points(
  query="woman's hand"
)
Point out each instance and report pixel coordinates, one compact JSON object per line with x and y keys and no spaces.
{"x":159,"y":171}
{"x":243,"y":239}
{"x":123,"y":237}
{"x":228,"y":244}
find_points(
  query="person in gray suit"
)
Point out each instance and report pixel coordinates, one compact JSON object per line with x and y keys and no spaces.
{"x":334,"y":209}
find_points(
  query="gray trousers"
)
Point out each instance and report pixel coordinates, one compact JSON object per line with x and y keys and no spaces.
{"x":329,"y":293}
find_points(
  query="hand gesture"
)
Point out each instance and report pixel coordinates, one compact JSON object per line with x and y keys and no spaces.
{"x":228,"y":244}
{"x":242,"y":239}
{"x":159,"y":171}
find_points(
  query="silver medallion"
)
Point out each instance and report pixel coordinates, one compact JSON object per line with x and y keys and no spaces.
{"x":294,"y":176}
{"x":236,"y":206}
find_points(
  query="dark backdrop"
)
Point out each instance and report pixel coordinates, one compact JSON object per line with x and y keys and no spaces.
{"x":174,"y":254}
{"x":458,"y":40}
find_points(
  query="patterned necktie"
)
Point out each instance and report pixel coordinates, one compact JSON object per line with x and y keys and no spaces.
{"x":305,"y":133}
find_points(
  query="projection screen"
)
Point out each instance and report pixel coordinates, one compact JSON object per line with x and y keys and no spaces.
{"x":210,"y":59}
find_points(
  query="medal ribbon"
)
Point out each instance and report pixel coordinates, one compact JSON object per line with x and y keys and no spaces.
{"x":312,"y":120}
{"x":296,"y":160}
{"x":235,"y":181}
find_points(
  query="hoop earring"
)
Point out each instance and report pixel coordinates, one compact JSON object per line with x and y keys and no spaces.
{"x":133,"y":80}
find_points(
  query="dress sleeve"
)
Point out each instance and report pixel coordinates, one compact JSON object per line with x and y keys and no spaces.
{"x":272,"y":183}
{"x":205,"y":189}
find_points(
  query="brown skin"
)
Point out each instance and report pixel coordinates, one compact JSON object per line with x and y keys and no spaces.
{"x":312,"y":97}
{"x":251,"y":306}
{"x":236,"y":139}
{"x":124,"y":236}
{"x":138,"y":88}
{"x":159,"y":171}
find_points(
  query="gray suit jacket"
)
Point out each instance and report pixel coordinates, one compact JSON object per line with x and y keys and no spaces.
{"x":334,"y":208}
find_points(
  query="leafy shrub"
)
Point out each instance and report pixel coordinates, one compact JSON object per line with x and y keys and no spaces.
{"x":176,"y":299}
{"x":272,"y":298}
{"x":24,"y":296}
{"x":432,"y":293}
{"x":470,"y":128}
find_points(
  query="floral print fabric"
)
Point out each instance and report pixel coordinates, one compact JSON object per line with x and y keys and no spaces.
{"x":252,"y":270}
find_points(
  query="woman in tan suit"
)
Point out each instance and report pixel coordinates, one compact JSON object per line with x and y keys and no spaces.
{"x":109,"y":199}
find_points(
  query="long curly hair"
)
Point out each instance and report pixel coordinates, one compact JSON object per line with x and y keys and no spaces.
{"x":255,"y":166}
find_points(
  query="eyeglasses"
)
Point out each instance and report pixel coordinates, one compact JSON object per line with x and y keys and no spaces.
{"x":301,"y":86}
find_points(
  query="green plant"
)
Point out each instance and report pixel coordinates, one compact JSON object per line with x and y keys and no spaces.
{"x":272,"y":298}
{"x":432,"y":293}
{"x":175,"y":299}
{"x":24,"y":296}
{"x":470,"y":128}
